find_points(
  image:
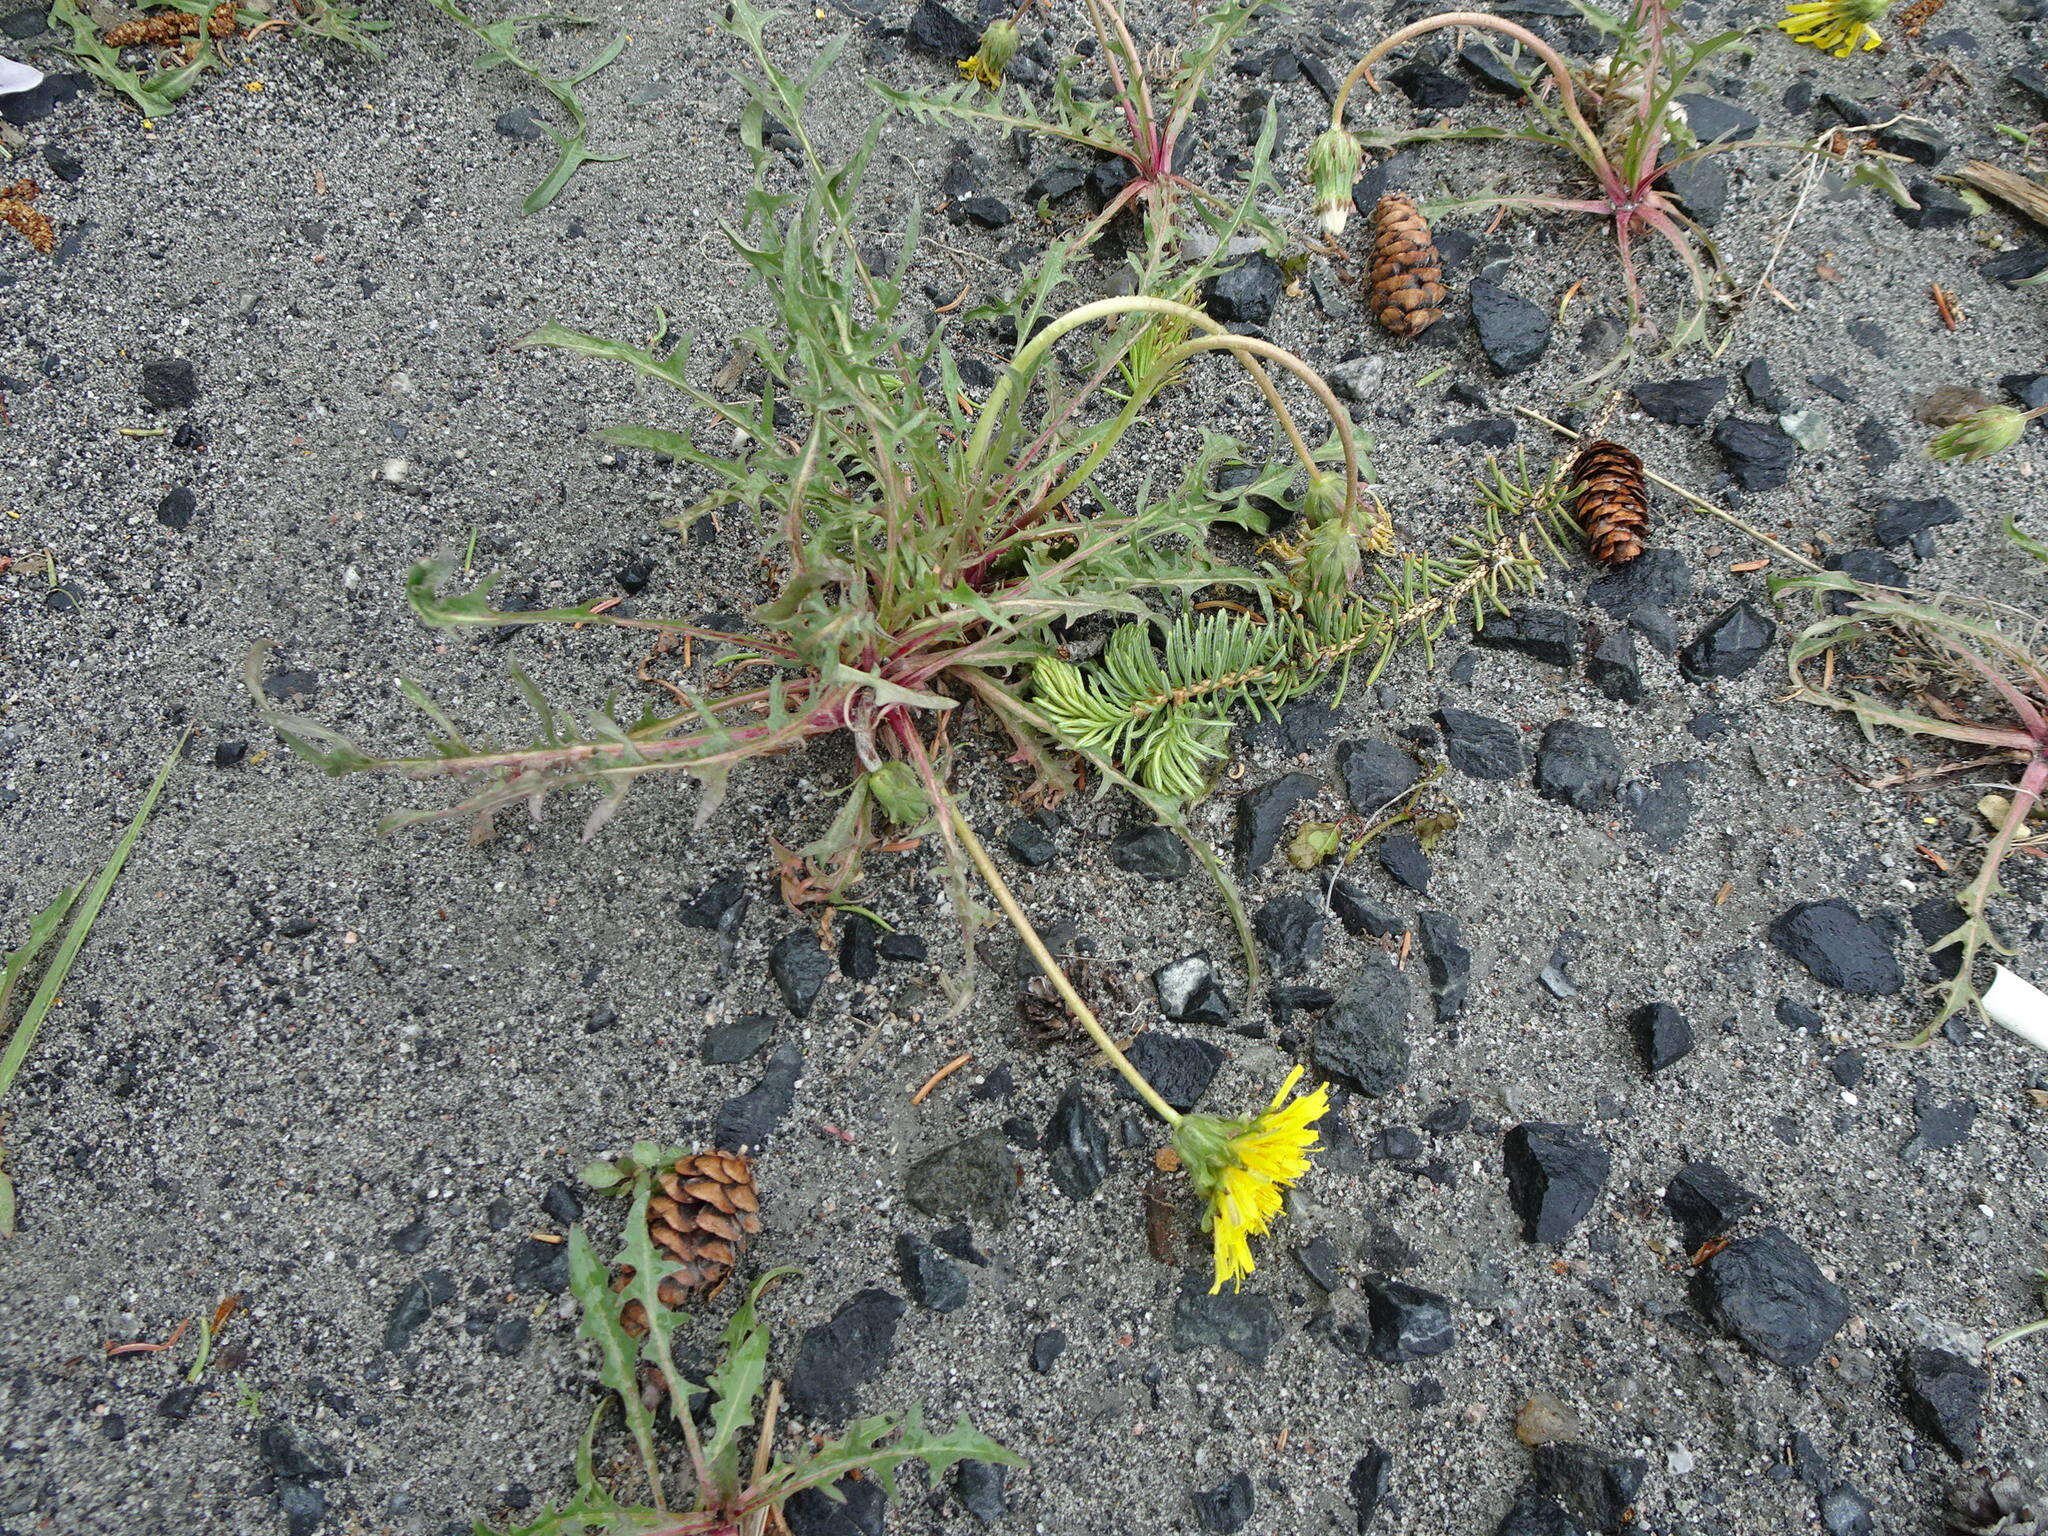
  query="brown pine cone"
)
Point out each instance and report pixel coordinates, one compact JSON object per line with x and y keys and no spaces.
{"x":1612,"y":503}
{"x":702,"y":1213}
{"x":1406,"y":275}
{"x":18,"y":210}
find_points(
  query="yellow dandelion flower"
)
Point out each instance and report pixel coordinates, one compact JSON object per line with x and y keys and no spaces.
{"x":1834,"y":26}
{"x":1240,"y":1167}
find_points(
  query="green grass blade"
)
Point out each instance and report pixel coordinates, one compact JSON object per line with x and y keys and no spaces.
{"x":81,"y":924}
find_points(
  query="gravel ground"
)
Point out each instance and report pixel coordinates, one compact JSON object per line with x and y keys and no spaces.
{"x":320,"y":1068}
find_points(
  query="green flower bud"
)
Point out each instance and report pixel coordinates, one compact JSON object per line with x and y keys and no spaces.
{"x":900,"y":794}
{"x":1991,"y":430}
{"x":1323,"y":501}
{"x":998,"y":47}
{"x":1333,"y":162}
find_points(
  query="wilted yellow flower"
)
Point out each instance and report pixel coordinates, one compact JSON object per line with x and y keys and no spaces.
{"x":998,"y":47}
{"x":1240,"y":1167}
{"x":1834,"y":26}
{"x":1333,"y":162}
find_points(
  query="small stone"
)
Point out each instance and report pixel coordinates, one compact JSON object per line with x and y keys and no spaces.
{"x":982,"y":211}
{"x":1846,"y":1067}
{"x":540,"y":1268}
{"x":900,"y":948}
{"x":1189,"y":992}
{"x":1683,"y":402}
{"x":1482,"y":747}
{"x":560,"y":1203}
{"x":1544,"y":1420}
{"x":1513,"y":332}
{"x":1376,"y":774}
{"x":287,"y":1455}
{"x":1368,"y":1482}
{"x":1490,"y":432}
{"x":20,"y":108}
{"x":1917,"y":142}
{"x":860,"y":951}
{"x":1536,"y":1513}
{"x":1879,"y":448}
{"x":1262,"y":818}
{"x":1491,"y":70}
{"x":1598,"y":1486}
{"x":1396,"y":1144}
{"x":1244,"y":1324}
{"x":1663,"y":1036}
{"x":1226,"y":1509}
{"x":1766,"y":1292}
{"x":1247,"y":294}
{"x":1759,"y":454}
{"x":169,"y":383}
{"x":1318,"y":1260}
{"x":1937,"y":1126}
{"x":1153,"y":852}
{"x":303,"y":1505}
{"x":520,"y":125}
{"x":1945,"y":1395}
{"x":800,"y":969}
{"x":2012,"y":268}
{"x":1796,"y":1015}
{"x":1361,"y":916}
{"x":1901,"y":520}
{"x":508,"y":1336}
{"x":1363,"y":1040}
{"x":1844,"y":1511}
{"x":1712,"y":119}
{"x":1401,"y":856}
{"x":936,"y":31}
{"x":737,"y":1041}
{"x":1291,"y":930}
{"x":719,"y":908}
{"x":979,"y":1486}
{"x":1839,"y":948}
{"x":1430,"y":89}
{"x":412,"y":1237}
{"x":1615,"y":670}
{"x":1657,"y":578}
{"x":1872,"y":567}
{"x":1078,"y":1147}
{"x":415,"y":1304}
{"x":861,"y":1509}
{"x":1030,"y":844}
{"x":1660,"y":810}
{"x":1406,"y":1322}
{"x":1730,"y":646}
{"x":1939,"y":207}
{"x":1706,"y":1202}
{"x":1179,"y":1070}
{"x":933,"y":1280}
{"x":177,"y":509}
{"x":837,"y":1358}
{"x":1702,"y":185}
{"x":178,"y":1403}
{"x":1448,"y":960}
{"x":1543,"y":634}
{"x":976,"y":1177}
{"x":1055,"y":182}
{"x":746,"y":1121}
{"x":1578,"y":765}
{"x":1555,"y":1173}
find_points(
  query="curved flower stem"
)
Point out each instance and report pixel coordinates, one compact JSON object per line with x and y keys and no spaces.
{"x":1083,"y":1014}
{"x":1559,"y":70}
{"x":2038,"y":1325}
{"x":1699,"y":503}
{"x":1340,"y":419}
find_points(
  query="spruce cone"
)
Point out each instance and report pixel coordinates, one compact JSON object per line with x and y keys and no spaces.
{"x":1406,"y":275}
{"x":169,"y":26}
{"x":702,"y":1213}
{"x":1613,"y":503}
{"x":17,"y":209}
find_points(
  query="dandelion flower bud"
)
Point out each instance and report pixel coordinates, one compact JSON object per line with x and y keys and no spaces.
{"x":1991,"y":430}
{"x":998,"y":47}
{"x":1333,"y":162}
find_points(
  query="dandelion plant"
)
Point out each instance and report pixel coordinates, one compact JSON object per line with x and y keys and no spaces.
{"x":1620,"y":119}
{"x":1975,"y":673}
{"x":731,"y":1493}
